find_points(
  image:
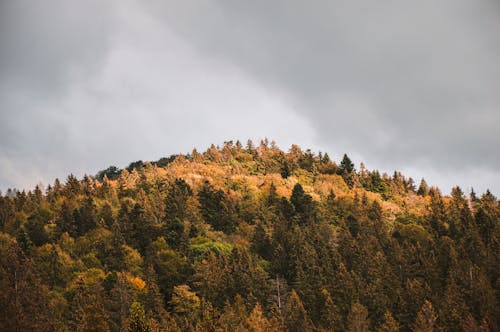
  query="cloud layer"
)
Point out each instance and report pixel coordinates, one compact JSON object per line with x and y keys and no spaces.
{"x":401,"y":85}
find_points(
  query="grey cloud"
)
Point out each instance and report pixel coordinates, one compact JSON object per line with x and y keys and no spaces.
{"x":398,"y":84}
{"x":392,"y":80}
{"x":111,"y":85}
{"x":44,"y":45}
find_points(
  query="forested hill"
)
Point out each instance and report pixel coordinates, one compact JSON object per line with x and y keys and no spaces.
{"x":248,"y":238}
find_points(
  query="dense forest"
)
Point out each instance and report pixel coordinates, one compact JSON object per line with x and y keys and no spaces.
{"x":248,"y":238}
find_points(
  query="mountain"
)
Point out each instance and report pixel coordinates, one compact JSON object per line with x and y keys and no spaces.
{"x":248,"y":238}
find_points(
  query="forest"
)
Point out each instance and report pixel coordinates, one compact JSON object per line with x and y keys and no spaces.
{"x":248,"y":238}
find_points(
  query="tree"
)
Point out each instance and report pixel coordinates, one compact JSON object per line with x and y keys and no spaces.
{"x":24,"y":241}
{"x":23,"y":299}
{"x":65,"y":222}
{"x":245,"y":276}
{"x":261,"y":243}
{"x":86,"y":308}
{"x":303,"y":204}
{"x":137,"y":319}
{"x":426,"y":318}
{"x":141,"y":229}
{"x":358,"y":321}
{"x":176,"y":200}
{"x":346,"y":165}
{"x":296,"y":319}
{"x":330,"y":315}
{"x":184,"y":301}
{"x":257,"y":322}
{"x":389,"y":325}
{"x":215,"y":209}
{"x":85,"y":217}
{"x":285,"y":170}
{"x":423,"y":188}
{"x":346,"y":170}
{"x":152,"y":298}
{"x":35,"y":227}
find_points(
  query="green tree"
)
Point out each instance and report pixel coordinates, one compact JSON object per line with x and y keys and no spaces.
{"x":215,"y":209}
{"x":423,"y":188}
{"x":346,"y":165}
{"x":35,"y":226}
{"x":261,"y":243}
{"x":330,"y":315}
{"x":138,"y":321}
{"x":303,"y":204}
{"x":184,"y":301}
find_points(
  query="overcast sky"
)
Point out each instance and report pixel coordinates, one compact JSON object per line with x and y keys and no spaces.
{"x":397,"y":84}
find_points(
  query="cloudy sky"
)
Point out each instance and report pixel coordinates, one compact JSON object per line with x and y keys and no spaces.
{"x":398,"y":84}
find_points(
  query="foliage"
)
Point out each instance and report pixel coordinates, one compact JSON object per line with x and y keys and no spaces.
{"x":250,"y":238}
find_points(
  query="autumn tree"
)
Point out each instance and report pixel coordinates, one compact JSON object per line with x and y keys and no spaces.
{"x":358,"y":321}
{"x":296,"y":318}
{"x":426,"y":319}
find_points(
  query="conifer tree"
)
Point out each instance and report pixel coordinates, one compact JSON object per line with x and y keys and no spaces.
{"x":426,"y":319}
{"x":389,"y":325}
{"x":330,"y":319}
{"x":215,"y":209}
{"x":261,"y":243}
{"x":257,"y":322}
{"x":303,"y":204}
{"x":423,"y":188}
{"x":138,"y":321}
{"x":296,"y":319}
{"x":358,"y":321}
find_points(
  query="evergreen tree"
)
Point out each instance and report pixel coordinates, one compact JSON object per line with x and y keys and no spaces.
{"x":426,"y":319}
{"x":389,"y":325}
{"x":85,"y":217}
{"x":423,"y":188}
{"x":330,"y":316}
{"x":137,"y":319}
{"x":296,"y":319}
{"x":303,"y":204}
{"x":215,"y":210}
{"x":346,"y":165}
{"x":257,"y":322}
{"x":358,"y":321}
{"x":261,"y":243}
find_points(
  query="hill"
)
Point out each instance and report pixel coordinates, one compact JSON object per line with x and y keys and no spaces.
{"x":248,"y":238}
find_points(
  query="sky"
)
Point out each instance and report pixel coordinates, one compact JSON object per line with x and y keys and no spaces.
{"x":403,"y":85}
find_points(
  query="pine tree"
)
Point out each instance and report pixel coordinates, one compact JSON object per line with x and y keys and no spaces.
{"x":24,"y":241}
{"x":330,"y":316}
{"x":184,"y":301}
{"x":257,"y":322}
{"x":137,"y":319}
{"x":152,"y":298}
{"x":296,"y":319}
{"x":346,"y":165}
{"x":215,"y":210}
{"x":423,"y":188}
{"x":426,"y":319}
{"x":389,"y":325}
{"x":358,"y":321}
{"x":261,"y":243}
{"x":303,"y":204}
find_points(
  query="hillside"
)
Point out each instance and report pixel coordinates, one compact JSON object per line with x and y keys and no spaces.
{"x":248,"y":238}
